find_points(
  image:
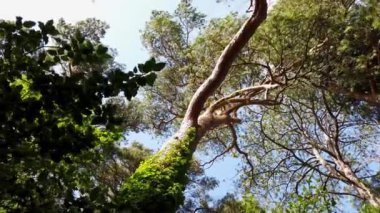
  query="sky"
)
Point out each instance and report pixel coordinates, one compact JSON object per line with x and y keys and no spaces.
{"x":126,"y":19}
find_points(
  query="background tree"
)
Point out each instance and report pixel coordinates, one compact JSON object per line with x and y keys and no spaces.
{"x":328,"y":132}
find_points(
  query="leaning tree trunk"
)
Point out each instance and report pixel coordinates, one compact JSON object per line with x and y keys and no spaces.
{"x":159,"y":182}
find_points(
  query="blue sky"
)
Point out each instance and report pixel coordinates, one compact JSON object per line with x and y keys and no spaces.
{"x":126,"y":18}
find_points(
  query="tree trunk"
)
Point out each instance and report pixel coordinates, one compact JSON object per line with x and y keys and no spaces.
{"x":159,"y":182}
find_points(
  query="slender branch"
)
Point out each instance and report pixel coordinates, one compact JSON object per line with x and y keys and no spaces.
{"x":237,"y":148}
{"x":218,"y":156}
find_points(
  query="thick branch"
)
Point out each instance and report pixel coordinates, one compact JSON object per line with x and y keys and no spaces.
{"x":224,"y":63}
{"x":246,"y":92}
{"x":345,"y":173}
{"x":224,"y":111}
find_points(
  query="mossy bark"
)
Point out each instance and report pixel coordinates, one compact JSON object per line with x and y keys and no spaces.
{"x":159,"y":182}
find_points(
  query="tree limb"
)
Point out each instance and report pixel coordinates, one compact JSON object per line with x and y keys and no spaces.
{"x":223,"y":64}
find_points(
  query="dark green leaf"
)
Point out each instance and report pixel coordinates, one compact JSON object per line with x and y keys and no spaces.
{"x":52,"y":52}
{"x":18,"y":22}
{"x":100,"y":49}
{"x":29,"y":24}
{"x":150,"y":78}
{"x":159,"y":66}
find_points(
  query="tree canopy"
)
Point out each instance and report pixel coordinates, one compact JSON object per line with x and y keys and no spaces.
{"x":292,"y":92}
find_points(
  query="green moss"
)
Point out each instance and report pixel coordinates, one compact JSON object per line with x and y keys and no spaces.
{"x":159,"y":182}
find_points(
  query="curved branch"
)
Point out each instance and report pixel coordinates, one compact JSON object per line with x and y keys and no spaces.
{"x":222,"y":67}
{"x":250,"y":91}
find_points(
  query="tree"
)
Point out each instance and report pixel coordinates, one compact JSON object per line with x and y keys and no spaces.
{"x":166,"y":170}
{"x":53,"y":123}
{"x":322,"y":132}
{"x":229,"y":204}
{"x":299,"y":62}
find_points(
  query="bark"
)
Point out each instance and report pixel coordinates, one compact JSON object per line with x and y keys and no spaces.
{"x":344,"y":172}
{"x":335,"y":163}
{"x":158,"y":184}
{"x":364,"y":191}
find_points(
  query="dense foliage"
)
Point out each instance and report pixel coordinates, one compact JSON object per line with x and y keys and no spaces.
{"x":54,"y":125}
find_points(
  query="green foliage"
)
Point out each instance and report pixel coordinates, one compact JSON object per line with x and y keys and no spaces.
{"x":162,"y":24}
{"x":51,"y":114}
{"x":358,"y":49}
{"x":313,"y":199}
{"x":248,"y":204}
{"x":92,"y":29}
{"x":251,"y":205}
{"x":367,"y":208}
{"x":159,"y":182}
{"x":189,"y":17}
{"x":169,"y":36}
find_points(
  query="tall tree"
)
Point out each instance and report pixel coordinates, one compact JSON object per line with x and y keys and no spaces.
{"x":298,"y":58}
{"x":158,"y":184}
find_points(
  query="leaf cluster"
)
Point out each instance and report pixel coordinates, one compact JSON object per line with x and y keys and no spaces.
{"x":53,"y":122}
